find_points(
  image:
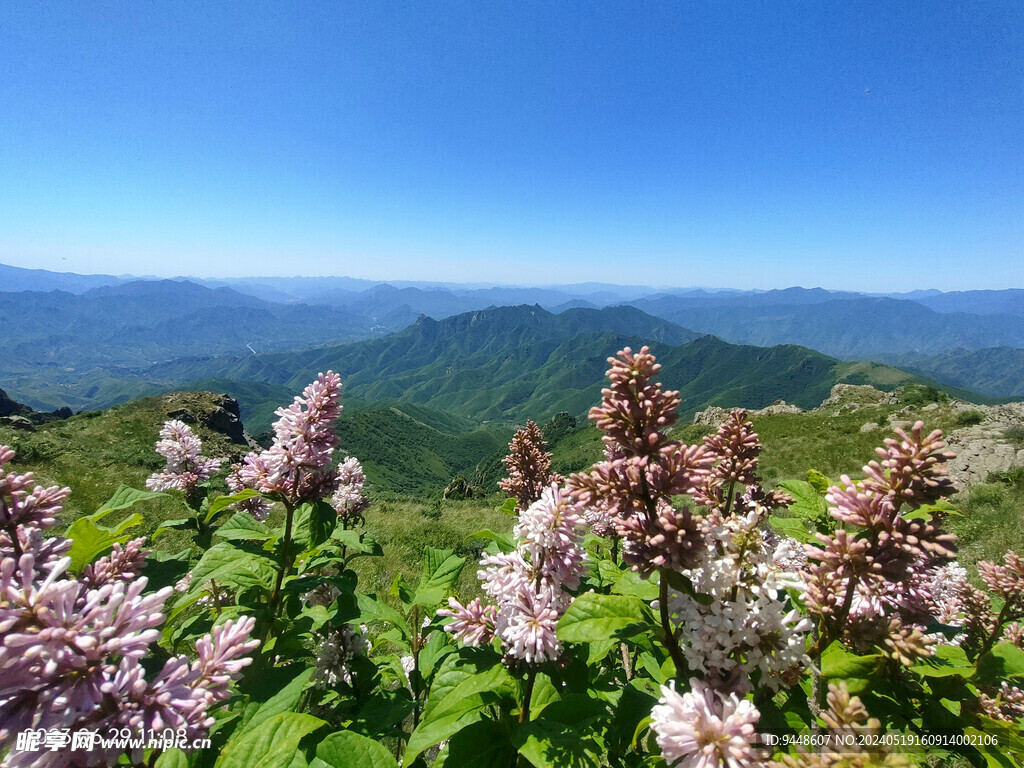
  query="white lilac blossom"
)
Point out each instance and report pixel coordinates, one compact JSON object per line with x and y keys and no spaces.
{"x":338,"y":648}
{"x":348,"y":498}
{"x":747,"y":625}
{"x":297,"y":465}
{"x":704,"y":728}
{"x":186,"y":466}
{"x":528,"y":587}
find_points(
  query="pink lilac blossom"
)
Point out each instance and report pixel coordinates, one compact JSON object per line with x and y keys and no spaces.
{"x":704,"y":728}
{"x":348,"y":499}
{"x":297,"y":465}
{"x":882,"y":570}
{"x":338,"y":648}
{"x":25,"y":504}
{"x":122,"y":564}
{"x":186,"y":466}
{"x":529,"y":586}
{"x":643,"y":469}
{"x":70,"y":649}
{"x":256,"y":506}
{"x":529,"y":466}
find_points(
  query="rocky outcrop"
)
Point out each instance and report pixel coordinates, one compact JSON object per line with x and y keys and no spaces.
{"x":218,"y":413}
{"x":713,"y":416}
{"x":11,"y":409}
{"x":845,"y":395}
{"x":984,"y":448}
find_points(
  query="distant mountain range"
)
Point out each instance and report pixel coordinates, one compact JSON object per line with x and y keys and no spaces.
{"x":88,"y":341}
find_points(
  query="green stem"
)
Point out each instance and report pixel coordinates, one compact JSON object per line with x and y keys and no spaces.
{"x":666,"y":626}
{"x":524,"y":712}
{"x":286,"y":566}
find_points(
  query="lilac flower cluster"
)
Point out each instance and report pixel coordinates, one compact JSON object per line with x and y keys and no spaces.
{"x":870,"y":580}
{"x":338,"y":648}
{"x":297,"y":465}
{"x":186,"y":466}
{"x":705,"y":728}
{"x":529,"y":467}
{"x":348,"y":499}
{"x":70,"y":649}
{"x":632,"y":488}
{"x":529,"y":587}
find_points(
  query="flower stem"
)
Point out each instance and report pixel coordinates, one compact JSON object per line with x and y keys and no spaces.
{"x":524,"y":712}
{"x":666,"y":626}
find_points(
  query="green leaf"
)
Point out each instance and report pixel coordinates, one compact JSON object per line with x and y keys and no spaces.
{"x":180,"y":524}
{"x":462,"y":705}
{"x":123,"y":498}
{"x":89,"y":541}
{"x":242,"y":526}
{"x":508,"y":507}
{"x":837,"y":662}
{"x":818,"y":481}
{"x":232,"y":566}
{"x":172,"y":758}
{"x":1004,"y":661}
{"x":272,"y":745}
{"x":323,"y":519}
{"x":682,"y":583}
{"x":221,"y":503}
{"x":948,"y":660}
{"x":441,"y":569}
{"x":284,"y":700}
{"x":794,"y":527}
{"x":435,"y":649}
{"x":627,"y":582}
{"x":362,"y":543}
{"x":400,"y":589}
{"x":347,"y":749}
{"x":483,"y":744}
{"x":548,"y":744}
{"x":371,"y":609}
{"x":505,"y":542}
{"x":807,"y":502}
{"x":594,"y":618}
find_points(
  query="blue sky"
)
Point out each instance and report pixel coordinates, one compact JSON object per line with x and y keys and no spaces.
{"x":871,"y":146}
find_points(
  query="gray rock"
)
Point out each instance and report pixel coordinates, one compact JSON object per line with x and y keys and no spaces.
{"x":871,"y":426}
{"x":18,"y":422}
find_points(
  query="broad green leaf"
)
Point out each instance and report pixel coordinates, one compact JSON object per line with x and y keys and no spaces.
{"x":462,"y":705}
{"x":633,"y":584}
{"x":837,"y":662}
{"x":323,"y":519}
{"x":221,"y":503}
{"x":123,"y":498}
{"x":948,"y":660}
{"x":172,"y":758}
{"x":371,"y":609}
{"x":400,"y":589}
{"x":232,"y":566}
{"x":347,"y":749}
{"x":180,"y":524}
{"x":435,"y":649}
{"x":807,"y":502}
{"x":89,"y":541}
{"x":682,"y":583}
{"x":272,"y":745}
{"x":362,"y":543}
{"x":483,"y":744}
{"x":441,"y":569}
{"x":594,"y":618}
{"x":242,"y":526}
{"x":1005,"y":660}
{"x":549,"y":744}
{"x":794,"y":527}
{"x":284,"y":700}
{"x":504,"y":541}
{"x":508,"y":506}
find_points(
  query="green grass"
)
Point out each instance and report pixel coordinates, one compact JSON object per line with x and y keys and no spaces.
{"x":993,"y":521}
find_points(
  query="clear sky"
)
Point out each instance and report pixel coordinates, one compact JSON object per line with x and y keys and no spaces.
{"x":872,"y":146}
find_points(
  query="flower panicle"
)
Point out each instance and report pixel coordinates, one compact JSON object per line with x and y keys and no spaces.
{"x":528,"y":464}
{"x":186,"y":467}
